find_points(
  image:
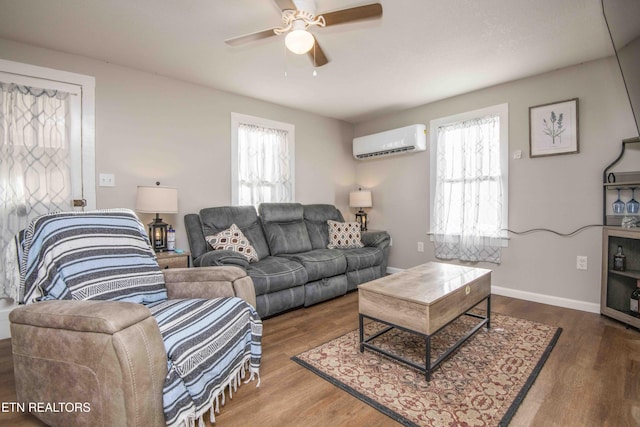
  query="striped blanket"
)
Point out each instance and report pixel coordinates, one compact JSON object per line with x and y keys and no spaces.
{"x":210,"y":345}
{"x":103,"y":255}
{"x":106,"y":255}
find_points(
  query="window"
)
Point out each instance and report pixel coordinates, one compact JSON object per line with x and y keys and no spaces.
{"x":262,"y":160}
{"x":469,"y":178}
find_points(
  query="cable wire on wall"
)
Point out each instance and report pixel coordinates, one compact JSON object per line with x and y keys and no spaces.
{"x":535,"y":230}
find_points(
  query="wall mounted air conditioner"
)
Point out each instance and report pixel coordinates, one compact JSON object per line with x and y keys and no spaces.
{"x":409,"y":139}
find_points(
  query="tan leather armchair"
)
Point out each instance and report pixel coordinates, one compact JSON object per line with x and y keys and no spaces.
{"x":103,"y":363}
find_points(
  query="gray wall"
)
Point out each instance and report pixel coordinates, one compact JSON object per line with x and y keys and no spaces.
{"x":558,"y":192}
{"x":150,"y":128}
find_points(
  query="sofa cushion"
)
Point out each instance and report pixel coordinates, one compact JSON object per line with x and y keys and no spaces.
{"x":344,"y":235}
{"x":272,"y":274}
{"x":321,"y":263}
{"x":359,"y":258}
{"x":315,"y":218}
{"x":232,"y":239}
{"x":284,"y":228}
{"x":215,"y":220}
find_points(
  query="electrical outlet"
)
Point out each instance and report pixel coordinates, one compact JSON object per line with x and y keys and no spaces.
{"x":420,"y":246}
{"x":517,"y":155}
{"x":581,"y":262}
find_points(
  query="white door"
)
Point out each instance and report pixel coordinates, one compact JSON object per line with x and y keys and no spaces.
{"x":46,"y":150}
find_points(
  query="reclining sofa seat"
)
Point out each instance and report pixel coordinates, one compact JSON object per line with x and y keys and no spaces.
{"x":280,"y":279}
{"x":288,"y":237}
{"x":295,"y":266}
{"x":363,"y":264}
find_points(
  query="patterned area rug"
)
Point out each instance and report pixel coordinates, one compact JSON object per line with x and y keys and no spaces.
{"x":481,"y":384}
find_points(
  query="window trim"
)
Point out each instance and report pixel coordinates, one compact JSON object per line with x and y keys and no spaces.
{"x":236,"y":120}
{"x":502,"y":110}
{"x":83,"y":86}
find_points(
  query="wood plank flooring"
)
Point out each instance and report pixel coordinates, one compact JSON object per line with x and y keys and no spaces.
{"x":592,"y":377}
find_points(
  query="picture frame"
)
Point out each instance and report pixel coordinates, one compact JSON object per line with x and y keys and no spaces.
{"x":553,"y":128}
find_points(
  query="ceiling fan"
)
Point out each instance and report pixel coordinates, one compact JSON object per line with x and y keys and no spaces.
{"x":298,"y":16}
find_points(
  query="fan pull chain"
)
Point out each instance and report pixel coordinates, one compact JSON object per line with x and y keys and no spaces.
{"x":315,"y":72}
{"x":286,"y":74}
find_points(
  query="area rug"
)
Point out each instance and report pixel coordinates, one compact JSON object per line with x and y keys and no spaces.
{"x":481,"y":384}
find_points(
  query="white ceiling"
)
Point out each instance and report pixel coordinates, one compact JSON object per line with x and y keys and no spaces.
{"x":419,"y":52}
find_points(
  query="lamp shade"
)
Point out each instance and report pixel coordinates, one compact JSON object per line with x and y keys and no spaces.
{"x":156,"y":199}
{"x":360,"y":199}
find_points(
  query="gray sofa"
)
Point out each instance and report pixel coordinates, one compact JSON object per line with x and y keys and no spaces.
{"x":295,"y":268}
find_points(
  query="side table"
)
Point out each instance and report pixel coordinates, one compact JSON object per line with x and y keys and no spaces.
{"x":171,"y":259}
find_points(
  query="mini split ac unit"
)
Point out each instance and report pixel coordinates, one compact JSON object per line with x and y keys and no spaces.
{"x":409,"y":139}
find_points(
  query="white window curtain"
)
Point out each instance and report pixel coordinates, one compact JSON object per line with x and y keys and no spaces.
{"x":468,"y":212}
{"x":35,"y":160}
{"x":264,"y":165}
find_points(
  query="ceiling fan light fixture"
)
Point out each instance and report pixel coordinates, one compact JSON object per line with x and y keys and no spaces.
{"x":300,"y":15}
{"x":299,"y":41}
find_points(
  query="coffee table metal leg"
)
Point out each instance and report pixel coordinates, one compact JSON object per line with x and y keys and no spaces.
{"x":360,"y":320}
{"x":489,"y":312}
{"x":427,"y":373}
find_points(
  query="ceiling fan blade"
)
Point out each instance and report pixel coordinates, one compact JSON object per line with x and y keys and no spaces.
{"x":317,"y":55}
{"x":285,"y":4}
{"x":368,"y":11}
{"x":247,"y":38}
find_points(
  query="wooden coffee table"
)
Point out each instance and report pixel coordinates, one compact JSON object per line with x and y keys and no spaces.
{"x":423,"y":300}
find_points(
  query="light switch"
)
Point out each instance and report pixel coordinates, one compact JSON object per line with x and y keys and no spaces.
{"x":107,"y":180}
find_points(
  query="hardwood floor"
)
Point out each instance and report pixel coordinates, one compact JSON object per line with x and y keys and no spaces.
{"x":592,"y":377}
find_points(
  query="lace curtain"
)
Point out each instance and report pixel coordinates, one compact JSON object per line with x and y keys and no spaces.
{"x":467,"y":209}
{"x":264,"y":165}
{"x":35,"y":161}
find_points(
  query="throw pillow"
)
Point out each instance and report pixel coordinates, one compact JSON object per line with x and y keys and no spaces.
{"x":344,"y":235}
{"x":232,"y":239}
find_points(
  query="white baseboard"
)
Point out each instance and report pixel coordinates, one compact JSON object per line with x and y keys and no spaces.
{"x":590,"y":307}
{"x":534,"y":297}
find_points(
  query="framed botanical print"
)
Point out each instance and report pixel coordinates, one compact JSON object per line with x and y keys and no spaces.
{"x":553,"y":128}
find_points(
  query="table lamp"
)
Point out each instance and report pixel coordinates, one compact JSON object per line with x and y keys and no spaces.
{"x":360,"y":199}
{"x":157,"y":200}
